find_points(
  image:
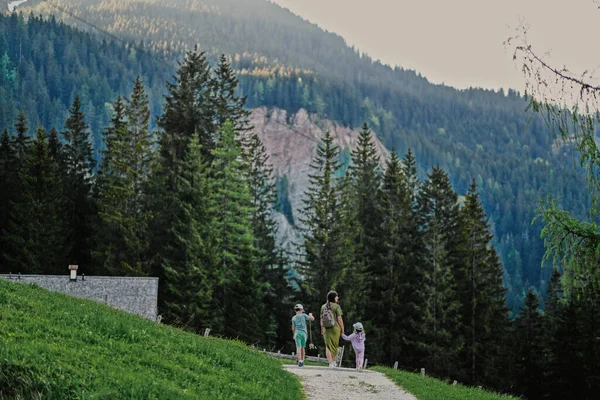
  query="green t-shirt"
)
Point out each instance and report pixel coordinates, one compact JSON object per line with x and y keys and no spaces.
{"x":299,"y":322}
{"x":337,"y":311}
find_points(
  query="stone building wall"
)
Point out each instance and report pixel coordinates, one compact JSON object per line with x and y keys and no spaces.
{"x":136,"y":295}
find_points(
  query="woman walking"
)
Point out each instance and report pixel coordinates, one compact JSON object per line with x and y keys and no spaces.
{"x":332,"y":326}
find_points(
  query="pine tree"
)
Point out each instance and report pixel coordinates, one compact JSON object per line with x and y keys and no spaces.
{"x":79,"y":166}
{"x":56,"y":147}
{"x":228,"y":105}
{"x":528,"y":335}
{"x":122,"y":218}
{"x":37,"y":223}
{"x":185,"y":258}
{"x":364,"y":186}
{"x":22,"y":141}
{"x":237,"y":293}
{"x":142,"y":139}
{"x":440,"y":223}
{"x":397,"y":303}
{"x":8,"y":183}
{"x":188,"y":111}
{"x":323,"y":239}
{"x":276,"y":298}
{"x":189,"y":108}
{"x":385,"y":302}
{"x":556,"y":369}
{"x":351,"y":281}
{"x":479,"y":283}
{"x":123,"y":177}
{"x":409,"y":169}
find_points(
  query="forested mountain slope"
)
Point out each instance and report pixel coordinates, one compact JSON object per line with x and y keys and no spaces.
{"x":287,"y":62}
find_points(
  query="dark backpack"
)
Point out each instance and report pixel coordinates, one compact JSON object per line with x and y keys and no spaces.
{"x":328,"y":317}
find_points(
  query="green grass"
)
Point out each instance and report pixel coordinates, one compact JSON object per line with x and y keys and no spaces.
{"x":427,"y":388}
{"x":57,"y":347}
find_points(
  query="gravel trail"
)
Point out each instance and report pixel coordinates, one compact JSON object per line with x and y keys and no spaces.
{"x":322,"y":383}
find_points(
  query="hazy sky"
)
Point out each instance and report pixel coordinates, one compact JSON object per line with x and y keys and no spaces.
{"x":460,"y":42}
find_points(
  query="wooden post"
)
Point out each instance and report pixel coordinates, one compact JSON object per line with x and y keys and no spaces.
{"x":396,"y":365}
{"x":422,"y":371}
{"x":206,"y":332}
{"x":454,"y":383}
{"x":365,"y":364}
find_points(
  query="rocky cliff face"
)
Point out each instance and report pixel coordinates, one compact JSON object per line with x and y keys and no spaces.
{"x":291,"y":141}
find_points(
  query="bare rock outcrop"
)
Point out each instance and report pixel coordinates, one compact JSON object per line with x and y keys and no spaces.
{"x":291,"y":140}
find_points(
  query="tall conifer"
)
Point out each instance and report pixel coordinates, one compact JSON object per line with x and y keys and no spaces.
{"x":189,"y":108}
{"x":22,"y":141}
{"x":8,"y":182}
{"x":36,"y":232}
{"x":237,"y":291}
{"x":364,"y":186}
{"x":479,"y":282}
{"x":276,"y":291}
{"x":185,"y":259}
{"x":123,"y":217}
{"x":323,"y":238}
{"x":79,"y":166}
{"x":528,"y":336}
{"x":228,"y":105}
{"x":440,"y":224}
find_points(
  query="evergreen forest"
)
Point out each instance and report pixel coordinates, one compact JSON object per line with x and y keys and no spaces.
{"x":113,"y":159}
{"x":284,"y":61}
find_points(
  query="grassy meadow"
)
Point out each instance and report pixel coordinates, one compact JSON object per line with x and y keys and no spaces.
{"x":57,"y":347}
{"x":427,"y":388}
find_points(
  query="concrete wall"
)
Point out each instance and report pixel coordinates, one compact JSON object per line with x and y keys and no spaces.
{"x":131,"y":294}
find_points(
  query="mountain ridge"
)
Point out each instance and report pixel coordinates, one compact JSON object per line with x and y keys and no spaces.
{"x":292,"y":64}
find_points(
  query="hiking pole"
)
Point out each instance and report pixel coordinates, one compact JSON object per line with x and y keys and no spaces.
{"x":310,"y":345}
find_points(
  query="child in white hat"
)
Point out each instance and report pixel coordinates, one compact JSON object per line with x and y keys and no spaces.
{"x":358,"y":344}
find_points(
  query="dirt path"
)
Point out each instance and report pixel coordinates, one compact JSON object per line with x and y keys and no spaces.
{"x":347,"y":384}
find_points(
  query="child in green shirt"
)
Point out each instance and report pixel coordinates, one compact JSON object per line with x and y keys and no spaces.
{"x":300,"y":331}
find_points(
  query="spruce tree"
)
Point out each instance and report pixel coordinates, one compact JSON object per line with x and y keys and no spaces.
{"x":122,"y":215}
{"x":528,"y":335}
{"x":364,"y":186}
{"x":188,"y":111}
{"x":22,"y":141}
{"x":237,"y":295}
{"x":79,"y":166}
{"x":321,"y":216}
{"x":409,"y":169}
{"x":8,"y":183}
{"x":397,"y":302}
{"x":189,"y":108}
{"x":36,"y":232}
{"x":351,"y":281}
{"x":228,"y":105}
{"x":276,"y":298}
{"x":440,"y":224}
{"x":185,"y":258}
{"x":56,"y":147}
{"x":142,"y":138}
{"x":556,"y":368}
{"x":479,"y":284}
